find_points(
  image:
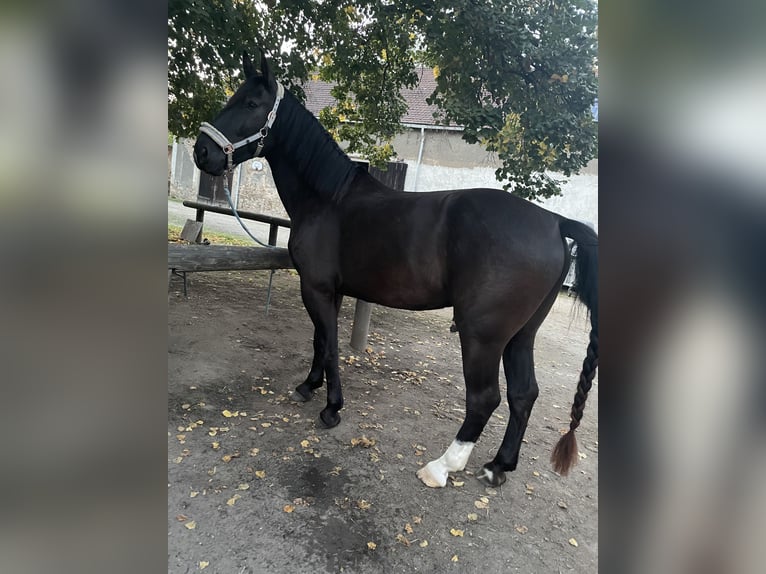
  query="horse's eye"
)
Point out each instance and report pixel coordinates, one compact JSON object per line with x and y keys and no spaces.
{"x":252,"y":105}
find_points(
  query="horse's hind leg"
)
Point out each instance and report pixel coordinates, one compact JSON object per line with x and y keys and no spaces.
{"x":519,"y":365}
{"x":518,"y":362}
{"x":481,"y":365}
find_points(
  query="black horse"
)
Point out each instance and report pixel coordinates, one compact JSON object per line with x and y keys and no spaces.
{"x":497,"y":259}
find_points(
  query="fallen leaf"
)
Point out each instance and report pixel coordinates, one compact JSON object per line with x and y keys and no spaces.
{"x":363,"y":441}
{"x":193,"y":493}
{"x":260,"y":473}
{"x":372,"y":545}
{"x":203,"y":564}
{"x":573,"y":542}
{"x":473,"y":517}
{"x":216,"y":445}
{"x":254,"y":451}
{"x":401,"y":538}
{"x":408,"y":528}
{"x":243,"y":486}
{"x":417,"y":519}
{"x":455,"y":532}
{"x":182,"y":518}
{"x":480,"y":504}
{"x":522,"y":529}
{"x":562,"y":504}
{"x":454,"y":558}
{"x":228,"y":414}
{"x":534,"y":472}
{"x":233,"y":500}
{"x":363,"y":504}
{"x":288,"y":508}
{"x":423,"y":543}
{"x":305,"y":443}
{"x":457,"y":483}
{"x":191,"y":525}
{"x":178,"y":459}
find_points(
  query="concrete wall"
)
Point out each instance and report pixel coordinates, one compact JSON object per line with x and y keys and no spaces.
{"x":256,"y":190}
{"x":184,"y":180}
{"x":447,"y":162}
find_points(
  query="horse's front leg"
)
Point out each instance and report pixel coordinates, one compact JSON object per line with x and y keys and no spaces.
{"x":305,"y":391}
{"x":322,"y":306}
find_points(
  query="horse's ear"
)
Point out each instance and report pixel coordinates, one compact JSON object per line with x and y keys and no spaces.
{"x":247,"y":66}
{"x":267,"y":74}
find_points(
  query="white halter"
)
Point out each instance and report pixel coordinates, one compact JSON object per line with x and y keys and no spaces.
{"x":228,"y":147}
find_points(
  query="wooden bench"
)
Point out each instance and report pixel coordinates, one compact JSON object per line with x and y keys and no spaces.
{"x":274,"y":222}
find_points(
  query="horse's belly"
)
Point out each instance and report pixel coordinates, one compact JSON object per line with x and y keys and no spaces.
{"x":401,"y":289}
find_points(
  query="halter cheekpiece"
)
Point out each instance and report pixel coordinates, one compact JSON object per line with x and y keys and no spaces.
{"x":260,"y":136}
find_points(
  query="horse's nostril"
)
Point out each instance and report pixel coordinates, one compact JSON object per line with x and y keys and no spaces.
{"x":199,"y":153}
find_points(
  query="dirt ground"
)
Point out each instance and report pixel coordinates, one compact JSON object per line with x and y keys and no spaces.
{"x":255,"y":484}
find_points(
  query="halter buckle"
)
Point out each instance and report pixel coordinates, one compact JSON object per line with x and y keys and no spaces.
{"x":229,"y":149}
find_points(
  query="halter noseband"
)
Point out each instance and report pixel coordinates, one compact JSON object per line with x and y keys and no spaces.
{"x":260,"y":136}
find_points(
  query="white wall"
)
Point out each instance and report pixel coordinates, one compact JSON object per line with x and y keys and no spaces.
{"x":579,"y":200}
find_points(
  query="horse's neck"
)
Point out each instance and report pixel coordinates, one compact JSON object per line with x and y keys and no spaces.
{"x":292,"y":190}
{"x":305,"y":148}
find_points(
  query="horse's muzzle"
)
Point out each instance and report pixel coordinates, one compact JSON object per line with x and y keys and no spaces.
{"x":207,"y":160}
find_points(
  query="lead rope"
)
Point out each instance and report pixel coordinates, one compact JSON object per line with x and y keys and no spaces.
{"x":253,"y":237}
{"x":234,"y":211}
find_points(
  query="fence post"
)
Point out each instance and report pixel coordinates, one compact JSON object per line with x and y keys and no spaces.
{"x":361,"y":325}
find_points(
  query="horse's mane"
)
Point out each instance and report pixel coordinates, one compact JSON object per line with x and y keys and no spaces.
{"x":319,"y":160}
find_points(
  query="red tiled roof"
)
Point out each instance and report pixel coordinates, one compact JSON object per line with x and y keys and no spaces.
{"x":419,"y":112}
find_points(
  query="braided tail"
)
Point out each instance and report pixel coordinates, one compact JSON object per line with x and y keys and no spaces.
{"x":586,"y":286}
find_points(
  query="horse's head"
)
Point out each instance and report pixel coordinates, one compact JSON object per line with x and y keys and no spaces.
{"x":240,"y":129}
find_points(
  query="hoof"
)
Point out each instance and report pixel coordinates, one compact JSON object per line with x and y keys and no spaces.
{"x":430,"y":478}
{"x":299,"y":397}
{"x":490,"y":477}
{"x":329,"y":419}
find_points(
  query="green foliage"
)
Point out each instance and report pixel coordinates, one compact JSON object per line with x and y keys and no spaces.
{"x":519,"y":75}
